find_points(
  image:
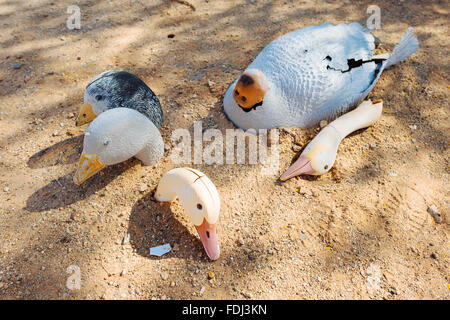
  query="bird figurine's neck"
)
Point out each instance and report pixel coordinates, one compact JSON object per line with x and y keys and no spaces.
{"x":319,"y":155}
{"x":361,"y":117}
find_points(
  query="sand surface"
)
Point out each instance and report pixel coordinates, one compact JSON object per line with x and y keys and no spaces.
{"x":360,"y":231}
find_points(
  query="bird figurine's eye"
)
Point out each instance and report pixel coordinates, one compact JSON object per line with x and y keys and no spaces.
{"x":326,"y":167}
{"x":244,"y":99}
{"x":237,"y":92}
{"x":199,"y":206}
{"x":84,"y":115}
{"x":98,"y":97}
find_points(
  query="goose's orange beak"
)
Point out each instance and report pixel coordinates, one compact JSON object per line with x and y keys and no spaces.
{"x":85,"y":115}
{"x":208,"y":236}
{"x":88,"y":165}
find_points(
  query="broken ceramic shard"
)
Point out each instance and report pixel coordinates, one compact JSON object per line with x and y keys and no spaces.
{"x":160,"y":250}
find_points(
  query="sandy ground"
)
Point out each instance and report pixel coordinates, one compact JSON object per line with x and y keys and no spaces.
{"x":360,"y":231}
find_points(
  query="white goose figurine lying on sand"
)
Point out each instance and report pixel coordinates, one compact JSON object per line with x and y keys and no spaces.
{"x":117,"y":135}
{"x":200,"y":201}
{"x":319,"y":155}
{"x":309,"y":75}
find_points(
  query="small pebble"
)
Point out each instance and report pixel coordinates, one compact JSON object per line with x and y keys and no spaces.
{"x":304,"y":191}
{"x":211,"y":84}
{"x":211,"y":275}
{"x":202,"y":290}
{"x":198,"y":76}
{"x":392,"y":174}
{"x":126,"y":238}
{"x":323,"y":123}
{"x":302,"y":236}
{"x":164,"y":275}
{"x":433,"y":211}
{"x":5,"y":189}
{"x":142,"y":187}
{"x":17,"y":65}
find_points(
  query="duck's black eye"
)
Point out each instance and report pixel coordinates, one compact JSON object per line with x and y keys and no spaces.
{"x":237,"y":92}
{"x":98,"y":97}
{"x":207,"y":234}
{"x":199,"y":206}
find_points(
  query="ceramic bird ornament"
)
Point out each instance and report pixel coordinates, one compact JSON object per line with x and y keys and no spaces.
{"x":319,"y":155}
{"x":309,"y":75}
{"x":117,"y":135}
{"x":119,"y":89}
{"x":200,"y":201}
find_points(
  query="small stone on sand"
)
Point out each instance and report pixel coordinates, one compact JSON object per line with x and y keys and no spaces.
{"x":126,"y":239}
{"x":323,"y":123}
{"x":433,"y":211}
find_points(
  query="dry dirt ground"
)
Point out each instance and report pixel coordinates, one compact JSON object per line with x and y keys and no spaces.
{"x":360,"y":231}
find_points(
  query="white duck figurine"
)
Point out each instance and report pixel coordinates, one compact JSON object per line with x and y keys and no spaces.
{"x":117,"y":135}
{"x":319,"y":155}
{"x":309,"y":75}
{"x":200,"y":201}
{"x":119,"y":89}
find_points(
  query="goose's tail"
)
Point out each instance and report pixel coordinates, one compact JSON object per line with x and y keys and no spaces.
{"x":406,"y":47}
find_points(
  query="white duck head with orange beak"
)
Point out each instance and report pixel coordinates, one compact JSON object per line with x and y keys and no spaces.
{"x":117,"y":135}
{"x":200,"y":201}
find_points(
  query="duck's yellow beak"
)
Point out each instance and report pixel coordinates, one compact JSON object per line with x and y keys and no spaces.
{"x":85,"y":115}
{"x":88,"y":165}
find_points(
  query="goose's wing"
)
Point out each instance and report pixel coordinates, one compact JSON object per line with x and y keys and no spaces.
{"x":321,"y":67}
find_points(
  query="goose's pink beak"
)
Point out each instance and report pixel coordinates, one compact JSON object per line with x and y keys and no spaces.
{"x":208,"y":236}
{"x":301,"y":166}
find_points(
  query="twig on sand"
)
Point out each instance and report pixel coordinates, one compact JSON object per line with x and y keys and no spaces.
{"x":185,"y":3}
{"x":107,"y":272}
